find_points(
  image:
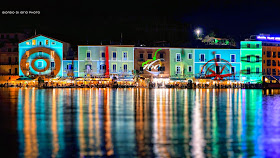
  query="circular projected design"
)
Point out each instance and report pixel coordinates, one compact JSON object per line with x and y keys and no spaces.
{"x":24,"y":64}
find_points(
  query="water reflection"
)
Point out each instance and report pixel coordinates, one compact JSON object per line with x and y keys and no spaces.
{"x":146,"y":123}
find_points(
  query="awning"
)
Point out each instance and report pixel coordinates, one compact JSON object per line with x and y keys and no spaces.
{"x":24,"y":79}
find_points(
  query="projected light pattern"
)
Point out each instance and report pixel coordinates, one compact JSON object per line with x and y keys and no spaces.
{"x":40,"y":55}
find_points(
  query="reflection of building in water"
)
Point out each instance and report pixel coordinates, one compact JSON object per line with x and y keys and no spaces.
{"x":27,"y":123}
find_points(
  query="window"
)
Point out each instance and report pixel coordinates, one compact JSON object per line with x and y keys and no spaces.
{"x":248,"y":45}
{"x":232,"y":58}
{"x":264,"y":61}
{"x":141,"y":68}
{"x":202,"y":57}
{"x":257,"y":70}
{"x":178,"y":57}
{"x":8,"y":36}
{"x":114,"y":68}
{"x":69,"y":66}
{"x":40,"y":64}
{"x":268,"y":54}
{"x":248,"y":58}
{"x":190,"y":69}
{"x":10,"y":71}
{"x":124,"y":68}
{"x":33,"y":42}
{"x":263,"y":52}
{"x":278,"y":54}
{"x":278,"y":63}
{"x":9,"y":49}
{"x":52,"y":64}
{"x":16,"y":60}
{"x":141,"y":56}
{"x":88,"y":67}
{"x":124,"y":55}
{"x":27,"y":54}
{"x":248,"y":70}
{"x":258,"y":45}
{"x":2,"y":36}
{"x":103,"y":55}
{"x":162,"y":68}
{"x":178,"y":69}
{"x":10,"y":60}
{"x":53,"y":43}
{"x":273,"y":63}
{"x":190,"y":56}
{"x":40,"y":43}
{"x":27,"y":43}
{"x":218,"y":57}
{"x":268,"y":63}
{"x":273,"y":72}
{"x":263,"y":71}
{"x":40,"y":53}
{"x":52,"y":54}
{"x":47,"y":42}
{"x":233,"y":70}
{"x":149,"y":56}
{"x":268,"y":71}
{"x":16,"y":71}
{"x":161,"y":55}
{"x":114,"y":55}
{"x":257,"y":58}
{"x":15,"y":49}
{"x":102,"y":67}
{"x":88,"y":55}
{"x":274,"y":54}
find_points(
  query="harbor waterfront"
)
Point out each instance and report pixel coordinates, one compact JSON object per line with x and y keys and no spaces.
{"x":139,"y":122}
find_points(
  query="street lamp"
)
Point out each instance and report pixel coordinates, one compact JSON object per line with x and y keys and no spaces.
{"x":197,"y":31}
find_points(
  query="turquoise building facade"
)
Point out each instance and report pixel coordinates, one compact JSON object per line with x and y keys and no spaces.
{"x":227,"y":58}
{"x":41,"y":56}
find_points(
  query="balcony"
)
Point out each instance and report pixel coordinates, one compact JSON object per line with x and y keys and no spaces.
{"x":9,"y":63}
{"x":175,"y":60}
{"x":101,"y":71}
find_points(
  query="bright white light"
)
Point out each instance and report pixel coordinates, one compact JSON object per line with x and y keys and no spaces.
{"x":197,"y":31}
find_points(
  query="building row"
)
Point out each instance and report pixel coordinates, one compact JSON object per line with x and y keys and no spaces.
{"x":48,"y":58}
{"x":44,"y":56}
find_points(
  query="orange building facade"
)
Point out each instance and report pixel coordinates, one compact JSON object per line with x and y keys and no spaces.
{"x":271,"y":60}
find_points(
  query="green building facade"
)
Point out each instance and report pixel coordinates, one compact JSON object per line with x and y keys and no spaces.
{"x":181,"y":64}
{"x":121,"y":60}
{"x":251,"y":61}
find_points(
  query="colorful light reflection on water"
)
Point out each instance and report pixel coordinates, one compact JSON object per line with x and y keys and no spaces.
{"x":141,"y":122}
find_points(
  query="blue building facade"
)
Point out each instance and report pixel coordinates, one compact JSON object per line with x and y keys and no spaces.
{"x":70,"y":68}
{"x":228,"y":63}
{"x":41,"y":56}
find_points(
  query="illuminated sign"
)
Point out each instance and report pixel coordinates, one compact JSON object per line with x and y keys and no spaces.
{"x":268,"y":38}
{"x":152,"y":65}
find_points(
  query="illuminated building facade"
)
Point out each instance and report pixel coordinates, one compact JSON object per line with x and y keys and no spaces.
{"x":181,"y":64}
{"x":70,"y":68}
{"x":9,"y":55}
{"x":251,"y":61}
{"x":270,"y":53}
{"x":227,"y":60}
{"x":152,"y":62}
{"x":105,"y":61}
{"x":41,"y":56}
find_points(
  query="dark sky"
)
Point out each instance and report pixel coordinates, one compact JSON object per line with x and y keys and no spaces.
{"x":82,"y":22}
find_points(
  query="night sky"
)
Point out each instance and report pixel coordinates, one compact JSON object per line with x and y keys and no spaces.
{"x":89,"y":23}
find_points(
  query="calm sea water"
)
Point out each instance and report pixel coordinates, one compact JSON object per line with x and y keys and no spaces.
{"x":139,"y":123}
